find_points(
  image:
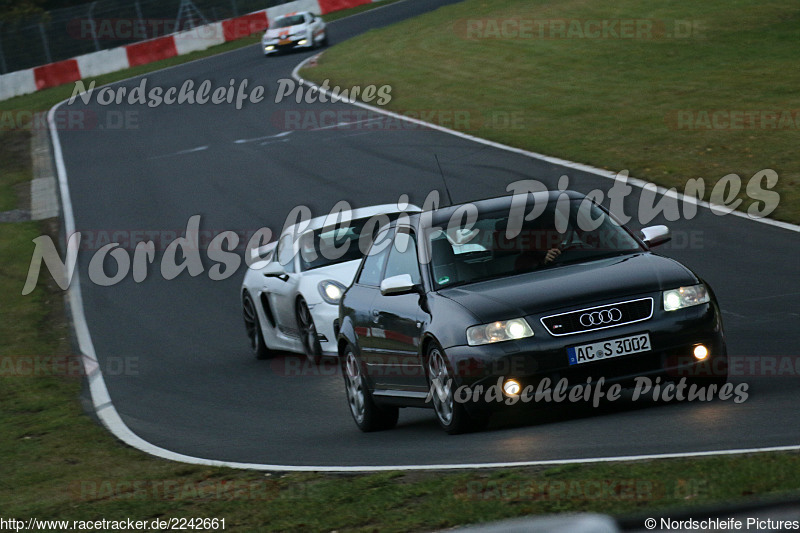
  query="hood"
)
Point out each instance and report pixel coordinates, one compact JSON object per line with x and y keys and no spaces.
{"x":284,"y":32}
{"x":570,"y":285}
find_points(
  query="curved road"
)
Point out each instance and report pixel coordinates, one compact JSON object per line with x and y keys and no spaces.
{"x":191,"y":385}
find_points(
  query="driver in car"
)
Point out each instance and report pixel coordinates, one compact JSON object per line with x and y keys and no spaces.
{"x":538,"y":247}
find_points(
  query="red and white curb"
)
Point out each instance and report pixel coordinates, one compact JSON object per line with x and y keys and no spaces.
{"x":105,"y":61}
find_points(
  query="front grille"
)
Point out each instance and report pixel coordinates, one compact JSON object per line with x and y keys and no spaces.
{"x":601,"y":317}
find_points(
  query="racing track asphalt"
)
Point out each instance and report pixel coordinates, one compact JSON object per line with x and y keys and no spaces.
{"x":191,"y":385}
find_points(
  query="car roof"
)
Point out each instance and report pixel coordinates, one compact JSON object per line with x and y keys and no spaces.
{"x":294,"y":13}
{"x":355,"y":214}
{"x":442,"y":215}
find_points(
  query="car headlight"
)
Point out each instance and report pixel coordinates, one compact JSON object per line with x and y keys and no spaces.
{"x":298,"y":35}
{"x":331,"y":291}
{"x":685,"y":297}
{"x":505,"y":330}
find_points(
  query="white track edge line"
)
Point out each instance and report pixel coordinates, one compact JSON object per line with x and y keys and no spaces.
{"x":107,"y":412}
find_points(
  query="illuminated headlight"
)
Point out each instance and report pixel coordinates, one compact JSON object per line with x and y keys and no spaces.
{"x":331,"y":291}
{"x":302,"y":41}
{"x":269,"y":48}
{"x":685,"y":297}
{"x":511,"y":387}
{"x":700,"y":352}
{"x":500,"y":331}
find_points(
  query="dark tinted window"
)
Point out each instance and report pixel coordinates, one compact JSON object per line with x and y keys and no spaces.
{"x":373,"y":265}
{"x":340,"y":243}
{"x":497,"y":245}
{"x":403,"y":257}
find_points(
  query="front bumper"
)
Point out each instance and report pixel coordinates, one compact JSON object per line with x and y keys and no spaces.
{"x":673,"y":336}
{"x":277,"y":45}
{"x":325,"y":315}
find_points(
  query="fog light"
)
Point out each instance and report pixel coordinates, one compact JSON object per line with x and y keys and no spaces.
{"x":269,"y":48}
{"x":302,"y":42}
{"x":700,"y":352}
{"x":511,"y":387}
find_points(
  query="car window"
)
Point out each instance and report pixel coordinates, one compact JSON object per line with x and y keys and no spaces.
{"x":291,"y":20}
{"x":338,"y":244}
{"x":497,"y":245}
{"x":372,"y":268}
{"x":403,"y":257}
{"x":285,"y":255}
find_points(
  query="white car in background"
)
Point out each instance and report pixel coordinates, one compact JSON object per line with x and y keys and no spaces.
{"x":290,"y":299}
{"x":292,"y":31}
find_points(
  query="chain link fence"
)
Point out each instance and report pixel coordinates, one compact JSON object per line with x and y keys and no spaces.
{"x":103,"y":24}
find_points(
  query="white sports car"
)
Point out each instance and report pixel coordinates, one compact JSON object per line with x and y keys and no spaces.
{"x":290,"y":299}
{"x":302,"y":29}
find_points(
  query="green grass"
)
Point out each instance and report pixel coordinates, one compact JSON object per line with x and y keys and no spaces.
{"x":58,"y":463}
{"x":15,"y":163}
{"x":610,"y":103}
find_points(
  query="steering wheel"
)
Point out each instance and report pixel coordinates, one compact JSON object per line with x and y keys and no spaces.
{"x":568,"y":243}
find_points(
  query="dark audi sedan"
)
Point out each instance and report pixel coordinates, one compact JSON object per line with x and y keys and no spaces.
{"x":471,"y":308}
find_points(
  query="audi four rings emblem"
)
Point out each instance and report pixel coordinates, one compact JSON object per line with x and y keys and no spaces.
{"x":598,"y":318}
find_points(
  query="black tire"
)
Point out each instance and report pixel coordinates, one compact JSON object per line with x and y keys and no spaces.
{"x":253,"y":327}
{"x":325,"y":40}
{"x":308,"y":332}
{"x":451,"y":415}
{"x":367,"y":416}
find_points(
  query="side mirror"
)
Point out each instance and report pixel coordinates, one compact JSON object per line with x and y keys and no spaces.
{"x":655,"y":235}
{"x":401,"y":284}
{"x":274,"y":270}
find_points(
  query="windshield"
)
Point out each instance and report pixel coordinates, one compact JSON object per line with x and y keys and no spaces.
{"x":292,"y":20}
{"x":496,"y":245}
{"x":337,"y":244}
